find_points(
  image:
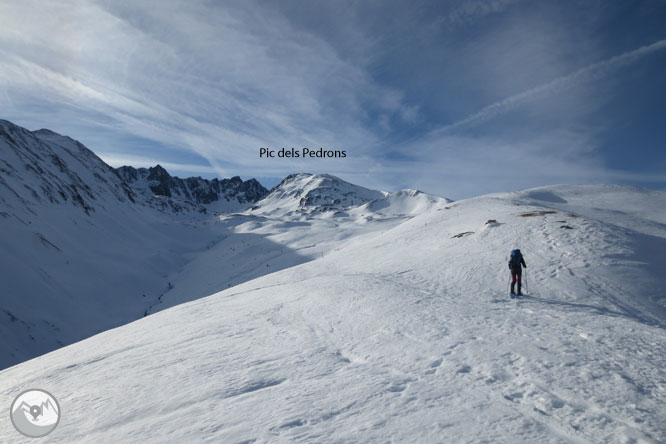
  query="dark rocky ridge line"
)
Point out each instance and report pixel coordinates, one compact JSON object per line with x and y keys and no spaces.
{"x":194,"y":189}
{"x":45,"y":167}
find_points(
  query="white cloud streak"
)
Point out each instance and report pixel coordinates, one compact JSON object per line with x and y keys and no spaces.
{"x":587,"y":73}
{"x":473,"y":9}
{"x":219,"y":81}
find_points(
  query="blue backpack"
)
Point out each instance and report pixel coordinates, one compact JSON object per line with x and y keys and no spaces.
{"x":516,"y":257}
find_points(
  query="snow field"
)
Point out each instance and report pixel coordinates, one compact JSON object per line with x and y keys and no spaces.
{"x":402,"y":335}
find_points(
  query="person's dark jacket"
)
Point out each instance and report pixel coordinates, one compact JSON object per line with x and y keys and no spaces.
{"x":518,"y":269}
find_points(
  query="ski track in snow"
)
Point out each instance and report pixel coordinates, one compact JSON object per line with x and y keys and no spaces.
{"x":400,"y":335}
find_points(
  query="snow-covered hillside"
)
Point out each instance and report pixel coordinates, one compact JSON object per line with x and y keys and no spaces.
{"x":44,"y":167}
{"x":79,"y":253}
{"x":84,"y":249}
{"x":400,"y":335}
{"x":306,"y":217}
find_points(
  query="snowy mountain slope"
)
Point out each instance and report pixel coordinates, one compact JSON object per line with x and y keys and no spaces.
{"x":44,"y":167}
{"x":158,"y":188}
{"x":79,"y":255}
{"x":401,"y":203}
{"x":84,"y":252}
{"x":276,"y":235}
{"x":617,"y":205}
{"x":404,"y":336}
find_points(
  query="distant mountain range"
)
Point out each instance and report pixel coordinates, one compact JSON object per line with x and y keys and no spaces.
{"x":306,"y":194}
{"x":56,"y":169}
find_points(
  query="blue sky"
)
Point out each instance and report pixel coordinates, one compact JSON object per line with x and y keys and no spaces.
{"x":454,"y":98}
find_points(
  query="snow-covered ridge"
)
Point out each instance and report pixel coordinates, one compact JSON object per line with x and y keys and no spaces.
{"x":43,"y":167}
{"x":306,"y":194}
{"x":403,"y":202}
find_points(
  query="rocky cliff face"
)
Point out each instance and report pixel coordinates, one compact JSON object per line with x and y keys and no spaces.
{"x":193,"y":192}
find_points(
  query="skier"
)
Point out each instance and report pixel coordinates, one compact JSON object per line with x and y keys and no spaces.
{"x":515,"y":263}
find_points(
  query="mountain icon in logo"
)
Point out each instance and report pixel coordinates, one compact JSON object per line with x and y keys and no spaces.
{"x":35,"y":413}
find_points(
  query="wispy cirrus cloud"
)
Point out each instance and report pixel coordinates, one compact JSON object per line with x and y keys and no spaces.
{"x":469,"y":10}
{"x":511,"y":159}
{"x":590,"y":72}
{"x":220,"y":81}
{"x":455,"y":98}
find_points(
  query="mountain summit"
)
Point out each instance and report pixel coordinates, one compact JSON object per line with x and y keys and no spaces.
{"x":44,"y":168}
{"x":306,"y":193}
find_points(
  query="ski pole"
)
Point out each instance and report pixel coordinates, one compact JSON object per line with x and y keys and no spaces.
{"x":526,"y":287}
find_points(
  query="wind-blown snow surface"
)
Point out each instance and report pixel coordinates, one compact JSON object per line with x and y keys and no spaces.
{"x":403,"y":336}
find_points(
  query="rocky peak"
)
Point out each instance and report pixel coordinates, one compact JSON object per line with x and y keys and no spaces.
{"x":193,"y":192}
